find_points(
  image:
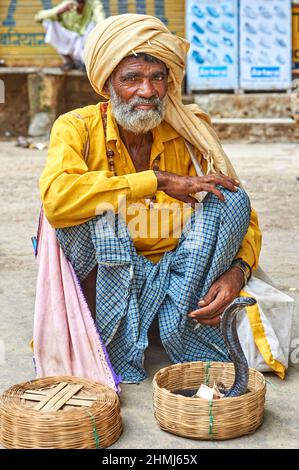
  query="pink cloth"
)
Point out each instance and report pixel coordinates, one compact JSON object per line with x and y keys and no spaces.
{"x":66,"y":341}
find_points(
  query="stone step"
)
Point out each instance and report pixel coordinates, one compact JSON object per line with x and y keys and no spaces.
{"x":31,"y":90}
{"x":256,"y":130}
{"x":247,"y":106}
{"x":39,"y":70}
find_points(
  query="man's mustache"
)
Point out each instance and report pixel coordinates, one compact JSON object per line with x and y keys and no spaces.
{"x":139,"y":101}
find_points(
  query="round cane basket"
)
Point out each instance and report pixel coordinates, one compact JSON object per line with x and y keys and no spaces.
{"x":197,"y":418}
{"x":60,"y":412}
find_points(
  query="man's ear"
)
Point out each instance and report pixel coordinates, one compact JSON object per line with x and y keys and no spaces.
{"x":106,"y":87}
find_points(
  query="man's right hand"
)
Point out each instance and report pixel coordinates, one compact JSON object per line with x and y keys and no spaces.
{"x":180,"y":187}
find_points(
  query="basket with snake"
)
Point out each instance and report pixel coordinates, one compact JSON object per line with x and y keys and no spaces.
{"x":240,"y":411}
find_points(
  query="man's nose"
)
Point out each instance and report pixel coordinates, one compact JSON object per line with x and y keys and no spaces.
{"x":146,"y":89}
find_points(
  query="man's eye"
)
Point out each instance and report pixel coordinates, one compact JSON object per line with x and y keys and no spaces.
{"x":130,"y":79}
{"x":159,"y":78}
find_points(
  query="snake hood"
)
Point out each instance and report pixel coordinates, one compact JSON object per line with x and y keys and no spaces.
{"x":229,"y":330}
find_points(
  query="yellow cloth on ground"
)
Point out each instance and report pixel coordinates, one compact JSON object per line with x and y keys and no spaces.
{"x":73,"y":191}
{"x":260,"y":337}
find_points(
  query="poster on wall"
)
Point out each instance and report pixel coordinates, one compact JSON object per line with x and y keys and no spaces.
{"x":212,"y":30}
{"x":265,"y":44}
{"x":22,"y":39}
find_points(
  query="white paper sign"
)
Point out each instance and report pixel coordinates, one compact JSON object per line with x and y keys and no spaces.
{"x":212,"y":30}
{"x":265,"y":44}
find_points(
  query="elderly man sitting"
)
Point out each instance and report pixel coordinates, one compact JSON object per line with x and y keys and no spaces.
{"x":121,"y":187}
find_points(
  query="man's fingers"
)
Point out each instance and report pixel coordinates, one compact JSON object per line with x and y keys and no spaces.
{"x":225,"y":184}
{"x":215,"y":321}
{"x":216,"y":313}
{"x":209,"y":297}
{"x":210,"y":311}
{"x":222,"y":180}
{"x":228,"y":185}
{"x":212,"y":189}
{"x":180,"y":187}
{"x":208,"y":314}
{"x":223,"y":177}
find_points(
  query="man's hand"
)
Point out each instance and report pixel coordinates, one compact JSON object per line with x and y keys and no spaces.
{"x":219,"y":296}
{"x":180,"y":187}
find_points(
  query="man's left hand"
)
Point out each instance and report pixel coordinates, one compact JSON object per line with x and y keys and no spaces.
{"x":219,"y":296}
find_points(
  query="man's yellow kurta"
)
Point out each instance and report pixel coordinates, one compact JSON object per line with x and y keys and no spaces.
{"x":74,"y":191}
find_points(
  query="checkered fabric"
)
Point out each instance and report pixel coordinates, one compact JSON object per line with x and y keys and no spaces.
{"x":131,"y":290}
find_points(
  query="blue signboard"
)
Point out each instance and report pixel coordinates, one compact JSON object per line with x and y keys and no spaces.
{"x":265,"y":44}
{"x":212,"y":29}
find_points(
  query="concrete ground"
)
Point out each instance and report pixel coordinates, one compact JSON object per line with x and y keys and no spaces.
{"x":269,"y":173}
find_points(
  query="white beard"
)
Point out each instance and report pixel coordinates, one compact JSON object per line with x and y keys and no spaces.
{"x":138,"y":121}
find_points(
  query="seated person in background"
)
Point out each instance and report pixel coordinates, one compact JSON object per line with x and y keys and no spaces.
{"x":67,"y":26}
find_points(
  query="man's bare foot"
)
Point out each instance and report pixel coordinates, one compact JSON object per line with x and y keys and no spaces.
{"x":68,"y":63}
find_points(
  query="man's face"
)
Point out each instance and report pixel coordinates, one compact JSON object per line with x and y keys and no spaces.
{"x":137,"y":91}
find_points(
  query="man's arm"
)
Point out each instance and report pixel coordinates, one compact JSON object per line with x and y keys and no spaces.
{"x":227,"y":287}
{"x":181,"y":187}
{"x":72,"y":194}
{"x":53,"y":13}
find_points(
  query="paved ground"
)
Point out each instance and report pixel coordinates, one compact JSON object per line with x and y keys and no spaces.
{"x":269,"y":172}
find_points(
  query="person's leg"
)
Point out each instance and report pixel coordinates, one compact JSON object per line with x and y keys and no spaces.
{"x":117,"y":288}
{"x":63,"y":40}
{"x":205,"y":250}
{"x":130,"y":290}
{"x":78,"y":248}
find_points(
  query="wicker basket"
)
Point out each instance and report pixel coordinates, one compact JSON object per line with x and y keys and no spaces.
{"x":59,"y":413}
{"x":197,"y":418}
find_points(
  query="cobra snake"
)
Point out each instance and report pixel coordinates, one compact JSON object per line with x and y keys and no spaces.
{"x":228,"y":328}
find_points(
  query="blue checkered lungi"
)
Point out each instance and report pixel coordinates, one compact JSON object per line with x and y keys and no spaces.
{"x":131,"y":291}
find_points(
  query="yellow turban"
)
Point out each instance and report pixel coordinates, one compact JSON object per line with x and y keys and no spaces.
{"x":119,"y":36}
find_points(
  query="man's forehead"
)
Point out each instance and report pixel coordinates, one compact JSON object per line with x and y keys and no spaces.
{"x":134,"y":63}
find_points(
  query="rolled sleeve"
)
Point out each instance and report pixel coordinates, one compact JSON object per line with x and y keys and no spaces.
{"x":49,"y":14}
{"x":142,"y":184}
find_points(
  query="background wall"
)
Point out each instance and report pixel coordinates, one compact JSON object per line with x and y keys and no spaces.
{"x":22,"y":39}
